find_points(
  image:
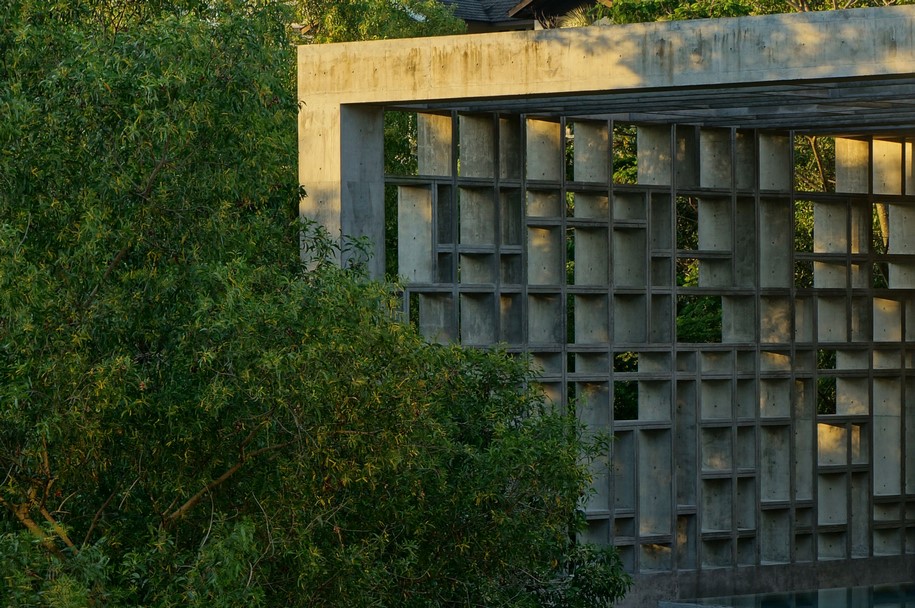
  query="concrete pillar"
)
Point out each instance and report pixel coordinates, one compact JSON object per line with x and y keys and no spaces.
{"x":804,"y":447}
{"x":851,"y":165}
{"x":416,"y":229}
{"x":593,"y":409}
{"x":715,"y":162}
{"x":477,"y":140}
{"x":415,"y":235}
{"x":544,"y":150}
{"x":775,"y":213}
{"x":653,"y":157}
{"x":901,"y":242}
{"x":842,"y":227}
{"x":774,"y":162}
{"x":320,"y":165}
{"x":433,"y":144}
{"x":590,"y":152}
{"x":341,"y":167}
{"x":775,"y":243}
{"x":654,"y":485}
{"x":655,"y":165}
{"x":715,"y":227}
{"x":362,"y":179}
{"x":887,"y":170}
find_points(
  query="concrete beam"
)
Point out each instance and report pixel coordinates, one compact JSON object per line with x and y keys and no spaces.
{"x":340,"y":146}
{"x":707,"y":52}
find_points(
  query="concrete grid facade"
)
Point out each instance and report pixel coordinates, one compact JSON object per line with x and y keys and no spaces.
{"x":777,"y":454}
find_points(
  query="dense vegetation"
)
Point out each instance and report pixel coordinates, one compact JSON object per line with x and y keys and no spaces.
{"x":188,"y":416}
{"x":634,"y":11}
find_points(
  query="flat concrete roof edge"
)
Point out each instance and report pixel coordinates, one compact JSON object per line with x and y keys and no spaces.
{"x":769,"y":48}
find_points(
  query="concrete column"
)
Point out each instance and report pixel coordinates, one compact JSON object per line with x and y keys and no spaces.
{"x":433,"y":144}
{"x":654,"y":485}
{"x":909,"y":167}
{"x":591,"y":258}
{"x":909,"y":413}
{"x":775,"y":243}
{"x":887,"y":170}
{"x":415,"y":234}
{"x":887,"y":433}
{"x":715,"y":158}
{"x":544,"y":150}
{"x":841,"y":228}
{"x":715,"y":230}
{"x":902,"y":242}
{"x":804,"y":448}
{"x":591,"y":163}
{"x":851,"y":165}
{"x":775,"y":239}
{"x":415,"y":229}
{"x":319,"y":165}
{"x":362,"y":179}
{"x":476,"y":146}
{"x":653,"y":160}
{"x":593,"y":409}
{"x":341,"y":167}
{"x":436,"y":318}
{"x":774,"y":162}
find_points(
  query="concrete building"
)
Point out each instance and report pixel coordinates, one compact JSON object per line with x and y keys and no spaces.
{"x":778,"y":452}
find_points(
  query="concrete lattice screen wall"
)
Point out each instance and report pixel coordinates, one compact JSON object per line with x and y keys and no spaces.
{"x":783,"y":439}
{"x":769,"y":447}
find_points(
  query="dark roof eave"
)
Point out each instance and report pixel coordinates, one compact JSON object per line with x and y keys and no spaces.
{"x":513,"y":12}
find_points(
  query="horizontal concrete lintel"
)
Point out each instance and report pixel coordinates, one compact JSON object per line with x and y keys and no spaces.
{"x":772,"y":48}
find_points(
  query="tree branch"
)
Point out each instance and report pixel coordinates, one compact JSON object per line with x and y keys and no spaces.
{"x":111,"y":266}
{"x":196,"y":498}
{"x":98,"y":515}
{"x":883,"y":217}
{"x":21,"y":512}
{"x":58,"y":529}
{"x":161,"y":164}
{"x":819,"y":161}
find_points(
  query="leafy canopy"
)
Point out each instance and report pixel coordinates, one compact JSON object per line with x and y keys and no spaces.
{"x":635,"y":11}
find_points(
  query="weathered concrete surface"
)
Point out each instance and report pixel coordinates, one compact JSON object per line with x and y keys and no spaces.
{"x":340,"y":155}
{"x":771,"y":48}
{"x":835,"y":64}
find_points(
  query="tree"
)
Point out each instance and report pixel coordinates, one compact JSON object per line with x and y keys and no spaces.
{"x":635,"y":11}
{"x":187,"y":415}
{"x":348,"y":20}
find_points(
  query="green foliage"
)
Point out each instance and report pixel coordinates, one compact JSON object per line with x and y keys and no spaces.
{"x":625,"y":157}
{"x":699,"y":319}
{"x":188,"y":417}
{"x":814,"y":161}
{"x":826,"y":385}
{"x":637,"y":11}
{"x":346,"y":20}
